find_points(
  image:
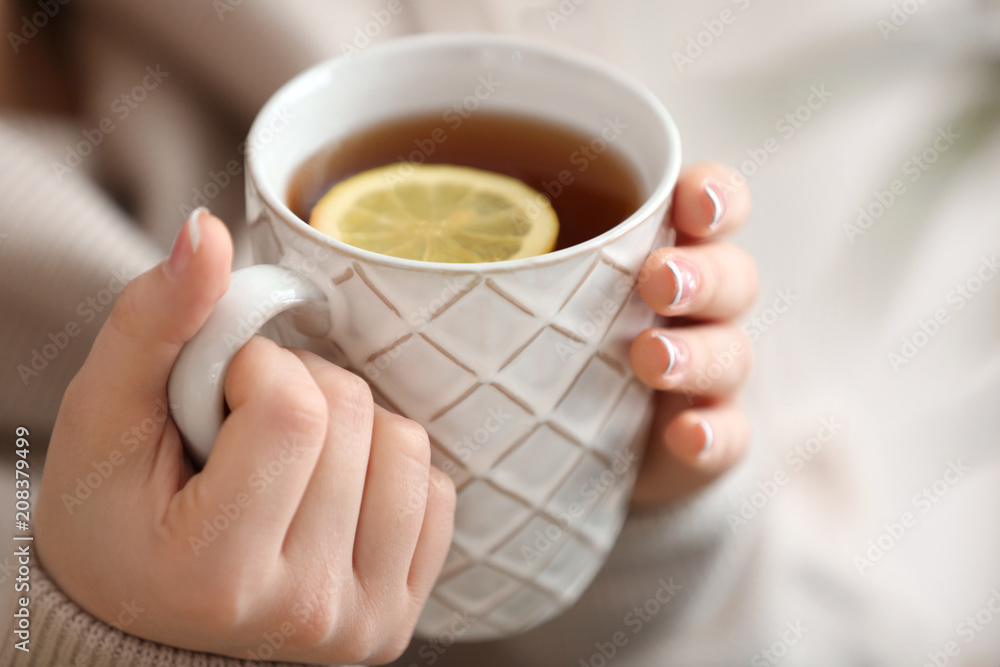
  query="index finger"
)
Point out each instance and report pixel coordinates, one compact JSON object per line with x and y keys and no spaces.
{"x":265,"y":454}
{"x":710,"y":200}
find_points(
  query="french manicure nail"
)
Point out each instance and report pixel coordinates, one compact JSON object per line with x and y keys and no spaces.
{"x":706,"y":445}
{"x":182,"y":252}
{"x":194,"y":227}
{"x":672,"y":354}
{"x":718,"y":198}
{"x":686,"y":280}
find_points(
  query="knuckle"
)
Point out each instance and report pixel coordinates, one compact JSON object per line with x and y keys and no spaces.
{"x":298,"y":409}
{"x":383,"y":620}
{"x":350,"y":388}
{"x":409,"y":440}
{"x":386,"y":634}
{"x":366,"y":636}
{"x":222,"y":599}
{"x":244,"y":360}
{"x":316,"y":611}
{"x":395,"y":643}
{"x":249,"y":362}
{"x":218,"y":609}
{"x":442,"y":488}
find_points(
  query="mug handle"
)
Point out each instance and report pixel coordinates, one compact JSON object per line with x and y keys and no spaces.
{"x":195,"y":389}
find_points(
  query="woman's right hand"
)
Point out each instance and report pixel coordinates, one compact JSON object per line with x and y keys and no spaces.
{"x":316,"y":529}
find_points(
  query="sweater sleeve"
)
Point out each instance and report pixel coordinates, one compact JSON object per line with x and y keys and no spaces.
{"x":65,"y":251}
{"x":61,"y":633}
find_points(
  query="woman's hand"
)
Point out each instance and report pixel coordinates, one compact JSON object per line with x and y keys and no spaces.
{"x":317,"y":524}
{"x":702,"y":359}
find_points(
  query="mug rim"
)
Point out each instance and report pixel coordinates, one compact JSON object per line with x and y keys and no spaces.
{"x":305,"y":81}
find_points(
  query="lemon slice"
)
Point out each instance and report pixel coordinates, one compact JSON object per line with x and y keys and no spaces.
{"x":438,"y":213}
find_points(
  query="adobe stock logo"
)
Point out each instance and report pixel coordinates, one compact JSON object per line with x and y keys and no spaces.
{"x":923,"y":501}
{"x":121,"y":108}
{"x":928,"y":328}
{"x":913,"y":169}
{"x":967,"y":630}
{"x":705,"y":39}
{"x":793,"y":633}
{"x":796,"y":459}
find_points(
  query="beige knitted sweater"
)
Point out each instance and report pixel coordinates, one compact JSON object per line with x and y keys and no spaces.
{"x":870,"y":133}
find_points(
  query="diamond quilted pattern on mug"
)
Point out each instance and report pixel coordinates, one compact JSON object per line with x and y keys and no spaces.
{"x":266,"y":247}
{"x":449,"y":465}
{"x":544,"y":289}
{"x":435,"y":617}
{"x":589,"y":312}
{"x":368,"y":321}
{"x":603,"y":525}
{"x":254,"y":206}
{"x":632,"y":409}
{"x":477,"y":589}
{"x":631,"y":320}
{"x":523,"y":609}
{"x":480,"y":428}
{"x":482,"y":328}
{"x":583,"y":410}
{"x":478,"y":499}
{"x":528,"y":550}
{"x":439,"y":620}
{"x":412,"y":369}
{"x":582,"y":490}
{"x":544,"y":370}
{"x":455,"y":560}
{"x":286,"y":332}
{"x":417,"y":295}
{"x":534,"y":468}
{"x":630,"y":250}
{"x":571,"y":570}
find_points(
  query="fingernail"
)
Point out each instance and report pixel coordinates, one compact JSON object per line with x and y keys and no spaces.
{"x":686,"y":279}
{"x":706,"y":445}
{"x":194,"y":227}
{"x":718,"y":197}
{"x":186,"y":244}
{"x":673,"y":354}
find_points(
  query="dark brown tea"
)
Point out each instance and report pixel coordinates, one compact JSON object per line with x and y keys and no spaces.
{"x":591,"y":186}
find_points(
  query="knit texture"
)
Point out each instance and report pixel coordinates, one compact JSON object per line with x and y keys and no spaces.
{"x":65,"y":635}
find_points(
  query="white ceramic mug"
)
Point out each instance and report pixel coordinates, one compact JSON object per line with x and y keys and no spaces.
{"x":519,"y":370}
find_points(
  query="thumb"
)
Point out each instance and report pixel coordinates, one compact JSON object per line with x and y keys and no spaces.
{"x":126,"y":373}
